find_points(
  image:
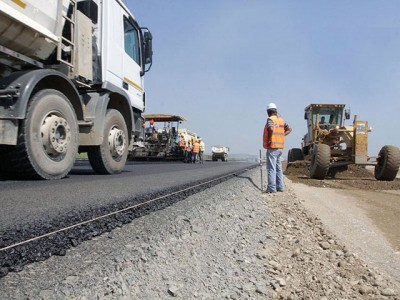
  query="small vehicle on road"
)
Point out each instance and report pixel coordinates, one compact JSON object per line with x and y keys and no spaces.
{"x":219,"y":152}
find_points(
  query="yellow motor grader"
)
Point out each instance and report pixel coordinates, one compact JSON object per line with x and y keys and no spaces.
{"x":331,"y":146}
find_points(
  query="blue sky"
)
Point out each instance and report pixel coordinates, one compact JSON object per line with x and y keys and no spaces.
{"x":219,"y":63}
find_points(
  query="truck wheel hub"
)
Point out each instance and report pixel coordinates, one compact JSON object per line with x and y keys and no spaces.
{"x":117,"y":141}
{"x":56,"y":134}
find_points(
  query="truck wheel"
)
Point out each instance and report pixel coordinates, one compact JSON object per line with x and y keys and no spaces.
{"x":388,"y":163}
{"x":110,"y":157}
{"x":320,"y":161}
{"x":48,"y":139}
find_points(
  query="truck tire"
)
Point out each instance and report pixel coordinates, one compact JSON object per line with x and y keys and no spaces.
{"x":110,"y":157}
{"x":48,"y":138}
{"x":320,"y":161}
{"x":388,"y":163}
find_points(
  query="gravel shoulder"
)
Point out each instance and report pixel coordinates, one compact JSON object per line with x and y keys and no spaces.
{"x":227,"y":242}
{"x":354,"y":218}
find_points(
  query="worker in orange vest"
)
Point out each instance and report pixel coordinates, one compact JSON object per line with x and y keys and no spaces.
{"x":275,"y":131}
{"x":195,"y":150}
{"x":182,"y":146}
{"x":189,"y":148}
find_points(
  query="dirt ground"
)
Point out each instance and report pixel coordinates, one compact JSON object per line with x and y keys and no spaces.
{"x":379,"y":199}
{"x":355,"y":177}
{"x":365,"y":210}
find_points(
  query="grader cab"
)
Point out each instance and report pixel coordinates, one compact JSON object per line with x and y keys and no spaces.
{"x":331,"y":146}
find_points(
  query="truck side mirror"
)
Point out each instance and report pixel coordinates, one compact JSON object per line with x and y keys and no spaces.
{"x":305,"y":116}
{"x":147,"y":48}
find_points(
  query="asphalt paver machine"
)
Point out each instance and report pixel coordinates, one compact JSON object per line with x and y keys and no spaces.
{"x":161,"y":138}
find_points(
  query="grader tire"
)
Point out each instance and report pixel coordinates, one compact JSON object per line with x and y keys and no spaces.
{"x":297,"y":154}
{"x":320,"y":161}
{"x":388,"y":163}
{"x":290,"y":156}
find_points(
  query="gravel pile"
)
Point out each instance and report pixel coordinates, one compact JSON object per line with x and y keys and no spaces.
{"x":227,"y":242}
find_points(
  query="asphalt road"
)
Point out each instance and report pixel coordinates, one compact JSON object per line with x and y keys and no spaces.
{"x":29,"y":201}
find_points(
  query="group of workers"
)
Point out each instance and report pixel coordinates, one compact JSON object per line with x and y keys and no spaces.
{"x":193,"y":149}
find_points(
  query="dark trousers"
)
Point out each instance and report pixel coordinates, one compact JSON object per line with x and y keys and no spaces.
{"x":201,"y":157}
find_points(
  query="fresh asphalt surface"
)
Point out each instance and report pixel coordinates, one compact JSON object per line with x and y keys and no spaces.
{"x":29,"y":201}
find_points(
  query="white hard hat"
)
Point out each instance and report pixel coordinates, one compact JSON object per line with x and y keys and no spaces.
{"x":271,"y":106}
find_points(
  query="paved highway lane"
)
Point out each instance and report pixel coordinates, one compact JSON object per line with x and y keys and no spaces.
{"x":27,"y":201}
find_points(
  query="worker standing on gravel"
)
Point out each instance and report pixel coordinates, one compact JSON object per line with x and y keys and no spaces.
{"x":275,"y":131}
{"x":202,"y":149}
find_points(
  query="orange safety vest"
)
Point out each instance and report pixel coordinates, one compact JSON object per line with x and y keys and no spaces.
{"x":182,"y":144}
{"x":196,"y":148}
{"x":278,"y":135}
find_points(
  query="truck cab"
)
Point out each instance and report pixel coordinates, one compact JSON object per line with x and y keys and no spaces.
{"x":71,"y":80}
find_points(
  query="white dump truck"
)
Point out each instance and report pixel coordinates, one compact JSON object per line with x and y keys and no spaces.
{"x":71,"y":80}
{"x":219,"y":152}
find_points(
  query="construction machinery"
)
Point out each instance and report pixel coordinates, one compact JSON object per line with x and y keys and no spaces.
{"x":330,"y":145}
{"x":161,"y":138}
{"x":219,"y":152}
{"x":71,"y":80}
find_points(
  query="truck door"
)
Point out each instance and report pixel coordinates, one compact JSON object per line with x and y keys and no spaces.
{"x":121,"y":52}
{"x":131,"y":68}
